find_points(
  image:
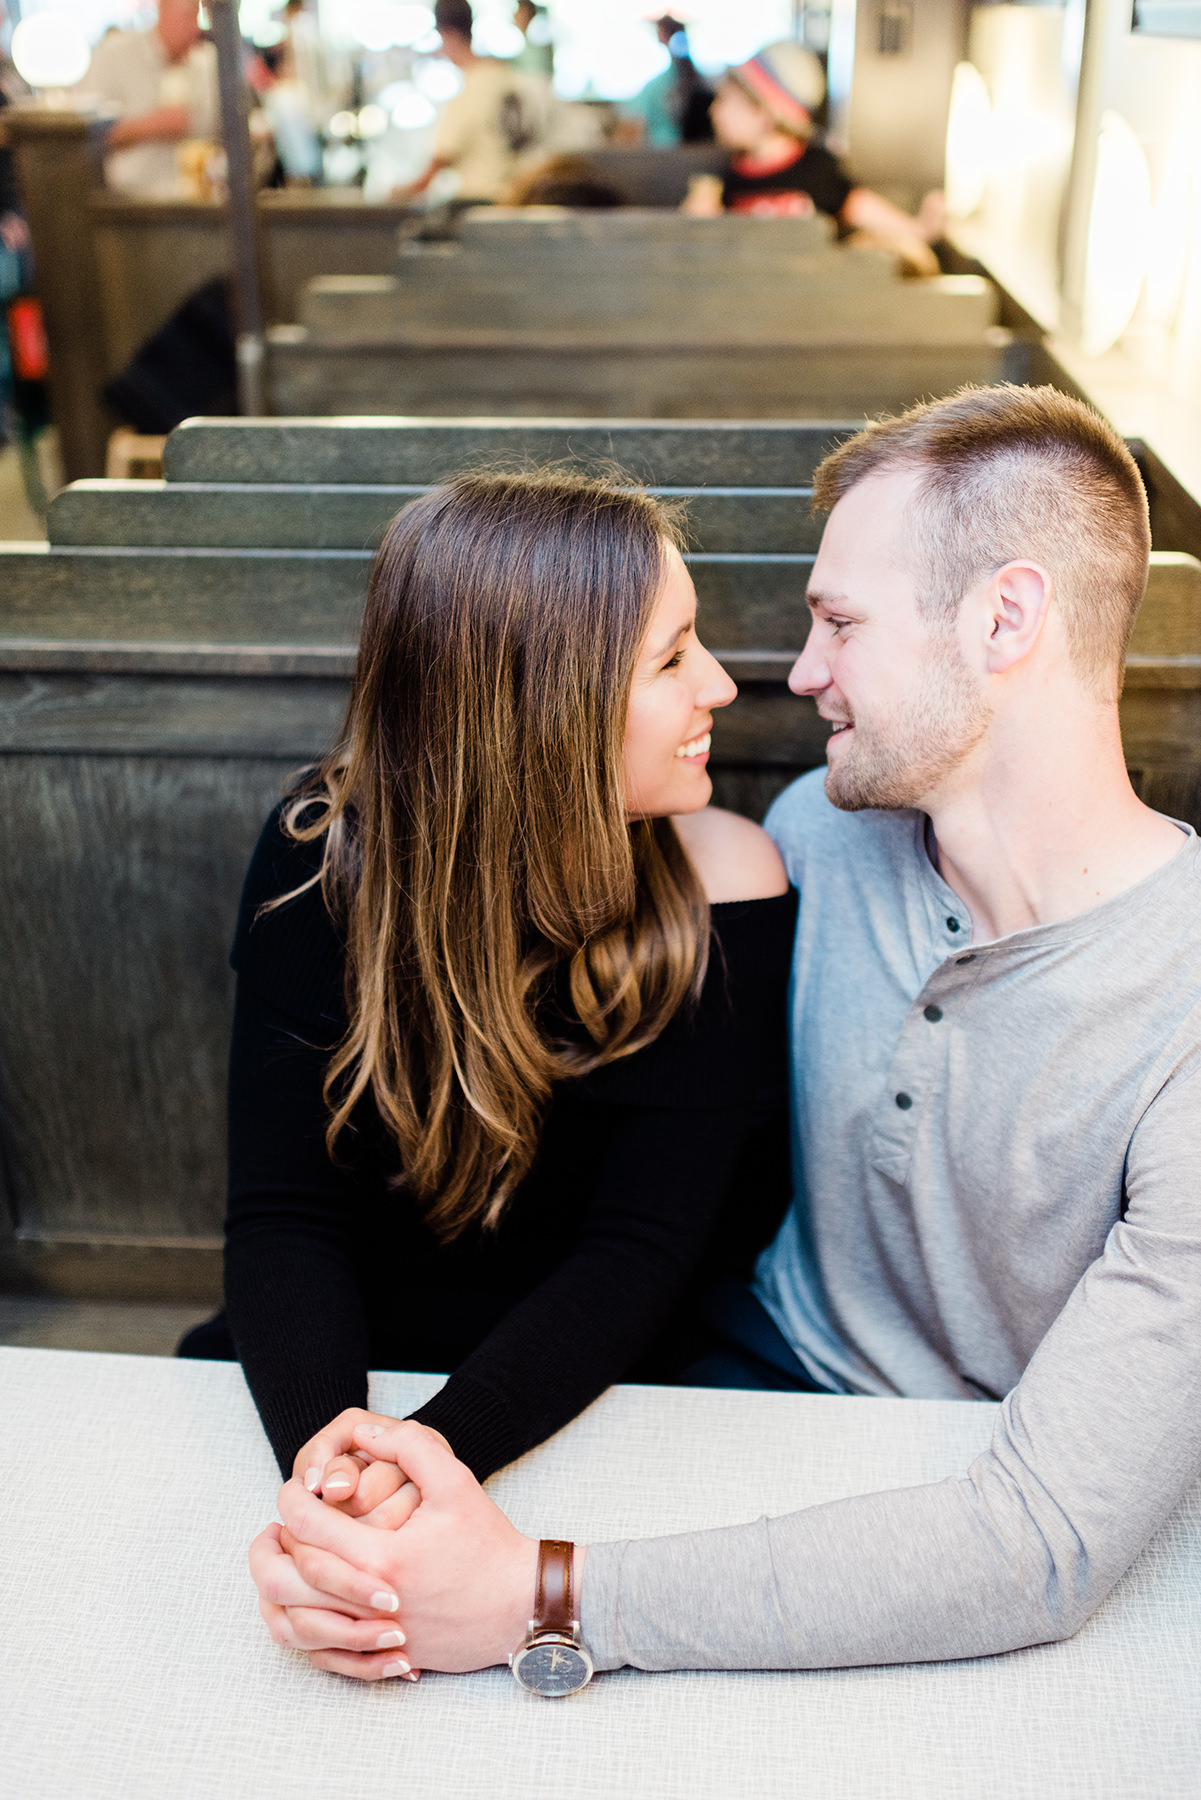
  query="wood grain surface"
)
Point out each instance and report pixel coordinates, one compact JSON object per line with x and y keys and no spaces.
{"x":118,"y":894}
{"x":693,"y":452}
{"x":444,"y":374}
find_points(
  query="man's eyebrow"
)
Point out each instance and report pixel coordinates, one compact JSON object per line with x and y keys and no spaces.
{"x":673,"y":640}
{"x":830,"y":602}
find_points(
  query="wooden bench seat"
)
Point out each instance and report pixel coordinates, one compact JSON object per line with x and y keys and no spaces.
{"x":605,"y":313}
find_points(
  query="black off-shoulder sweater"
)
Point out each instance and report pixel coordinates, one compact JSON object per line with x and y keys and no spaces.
{"x":654,"y":1174}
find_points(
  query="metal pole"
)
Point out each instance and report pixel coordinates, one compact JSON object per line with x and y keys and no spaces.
{"x":243,"y":209}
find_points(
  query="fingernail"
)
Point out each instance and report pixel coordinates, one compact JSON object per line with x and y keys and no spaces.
{"x":312,"y":1478}
{"x":389,"y":1640}
{"x":384,"y":1602}
{"x":398,"y":1668}
{"x":412,"y":1675}
{"x":337,"y":1481}
{"x":371,"y":1431}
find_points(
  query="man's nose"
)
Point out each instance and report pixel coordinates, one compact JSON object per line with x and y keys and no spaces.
{"x":810,"y":673}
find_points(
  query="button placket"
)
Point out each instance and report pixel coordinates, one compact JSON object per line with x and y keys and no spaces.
{"x":915,"y":1075}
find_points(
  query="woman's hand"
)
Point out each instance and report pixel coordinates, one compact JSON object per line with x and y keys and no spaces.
{"x":359,"y":1485}
{"x":349,"y":1609}
{"x":463,"y":1576}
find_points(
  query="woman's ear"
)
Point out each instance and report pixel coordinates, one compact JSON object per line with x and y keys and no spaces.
{"x":1016,"y":600}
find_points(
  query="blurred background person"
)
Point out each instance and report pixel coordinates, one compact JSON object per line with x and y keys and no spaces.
{"x":164,"y":84}
{"x":493,"y":126}
{"x":763,"y":113}
{"x":565,"y":181}
{"x":538,"y":56}
{"x":674,"y":107}
{"x":14,"y":233}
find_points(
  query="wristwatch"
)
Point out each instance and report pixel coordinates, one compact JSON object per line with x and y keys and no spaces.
{"x":553,"y":1661}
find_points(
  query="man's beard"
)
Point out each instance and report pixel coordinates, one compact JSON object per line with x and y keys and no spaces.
{"x":897,"y":761}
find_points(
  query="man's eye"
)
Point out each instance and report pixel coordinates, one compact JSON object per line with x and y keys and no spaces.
{"x":837,"y":625}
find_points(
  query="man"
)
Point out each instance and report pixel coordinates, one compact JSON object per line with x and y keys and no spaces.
{"x":997,"y":1037}
{"x":164,"y":83}
{"x":487,"y":131}
{"x":537,"y":55}
{"x":673,"y":107}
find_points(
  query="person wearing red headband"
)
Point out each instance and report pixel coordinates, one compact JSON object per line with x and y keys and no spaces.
{"x":763,"y":113}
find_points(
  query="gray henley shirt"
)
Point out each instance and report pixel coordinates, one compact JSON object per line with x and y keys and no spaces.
{"x":997,"y":1166}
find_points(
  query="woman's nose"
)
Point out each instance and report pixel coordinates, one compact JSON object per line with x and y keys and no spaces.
{"x":719,"y":689}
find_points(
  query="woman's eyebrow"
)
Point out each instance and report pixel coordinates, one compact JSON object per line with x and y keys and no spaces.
{"x":677,"y":634}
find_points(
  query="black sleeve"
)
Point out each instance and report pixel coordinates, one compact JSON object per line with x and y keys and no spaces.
{"x":291,"y":1293}
{"x":825,"y":180}
{"x":666,"y":1175}
{"x":590,"y":1321}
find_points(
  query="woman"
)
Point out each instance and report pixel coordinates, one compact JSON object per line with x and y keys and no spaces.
{"x":494,"y":1091}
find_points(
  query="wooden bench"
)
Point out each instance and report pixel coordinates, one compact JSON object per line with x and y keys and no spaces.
{"x":632,"y":274}
{"x":641,"y":313}
{"x":153,"y":701}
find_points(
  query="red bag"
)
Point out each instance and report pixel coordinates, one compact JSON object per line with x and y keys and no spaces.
{"x":27,"y":338}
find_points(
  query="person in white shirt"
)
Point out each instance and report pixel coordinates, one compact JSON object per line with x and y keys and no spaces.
{"x":164,"y":83}
{"x":498,"y":117}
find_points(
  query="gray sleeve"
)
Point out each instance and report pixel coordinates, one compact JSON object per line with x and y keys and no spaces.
{"x":1092,"y":1449}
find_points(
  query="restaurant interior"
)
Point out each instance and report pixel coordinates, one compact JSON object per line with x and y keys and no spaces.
{"x":258,"y":297}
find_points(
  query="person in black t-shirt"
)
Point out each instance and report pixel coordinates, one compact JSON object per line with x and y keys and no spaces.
{"x":763,"y":114}
{"x":509,"y":1067}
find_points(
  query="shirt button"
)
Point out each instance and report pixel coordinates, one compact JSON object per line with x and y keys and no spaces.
{"x":952,"y":924}
{"x":904,"y":1101}
{"x":934,"y":1014}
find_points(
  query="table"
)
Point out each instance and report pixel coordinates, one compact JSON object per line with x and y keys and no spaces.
{"x":134,"y":1666}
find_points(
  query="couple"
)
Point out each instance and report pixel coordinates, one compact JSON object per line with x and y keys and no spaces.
{"x":995,"y":1078}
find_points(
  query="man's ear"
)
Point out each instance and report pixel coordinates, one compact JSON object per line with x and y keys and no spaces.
{"x":1016,"y":601}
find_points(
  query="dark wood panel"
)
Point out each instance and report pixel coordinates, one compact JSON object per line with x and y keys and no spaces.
{"x":117,"y":1268}
{"x":694,"y":452}
{"x":1161,"y":726}
{"x":118,"y":894}
{"x":287,"y":596}
{"x":184,"y":595}
{"x":163,"y":715}
{"x":330,"y":515}
{"x":733,"y":382}
{"x":521,"y":296}
{"x":118,"y":713}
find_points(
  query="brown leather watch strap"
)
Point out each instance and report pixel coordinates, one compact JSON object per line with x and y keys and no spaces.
{"x":554,"y":1608}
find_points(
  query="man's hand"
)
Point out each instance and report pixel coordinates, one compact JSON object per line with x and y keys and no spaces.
{"x":162,"y":125}
{"x":463,"y":1575}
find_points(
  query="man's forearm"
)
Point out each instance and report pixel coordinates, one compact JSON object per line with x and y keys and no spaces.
{"x":163,"y":125}
{"x":770,"y":1595}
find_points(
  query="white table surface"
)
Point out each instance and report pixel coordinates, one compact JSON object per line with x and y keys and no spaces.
{"x":134,"y":1666}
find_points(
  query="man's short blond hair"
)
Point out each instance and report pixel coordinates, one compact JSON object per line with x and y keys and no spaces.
{"x":1014,"y":474}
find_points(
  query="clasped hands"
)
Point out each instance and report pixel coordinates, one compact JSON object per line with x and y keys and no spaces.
{"x":391,"y":1558}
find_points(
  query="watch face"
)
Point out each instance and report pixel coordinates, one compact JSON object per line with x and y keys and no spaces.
{"x":551,"y":1669}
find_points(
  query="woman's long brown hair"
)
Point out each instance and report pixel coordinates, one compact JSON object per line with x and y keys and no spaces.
{"x":476,"y":837}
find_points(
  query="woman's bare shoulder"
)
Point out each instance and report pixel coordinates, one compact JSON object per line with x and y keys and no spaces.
{"x":734,"y":857}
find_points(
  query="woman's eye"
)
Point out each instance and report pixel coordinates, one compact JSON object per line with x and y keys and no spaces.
{"x":673,"y":662}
